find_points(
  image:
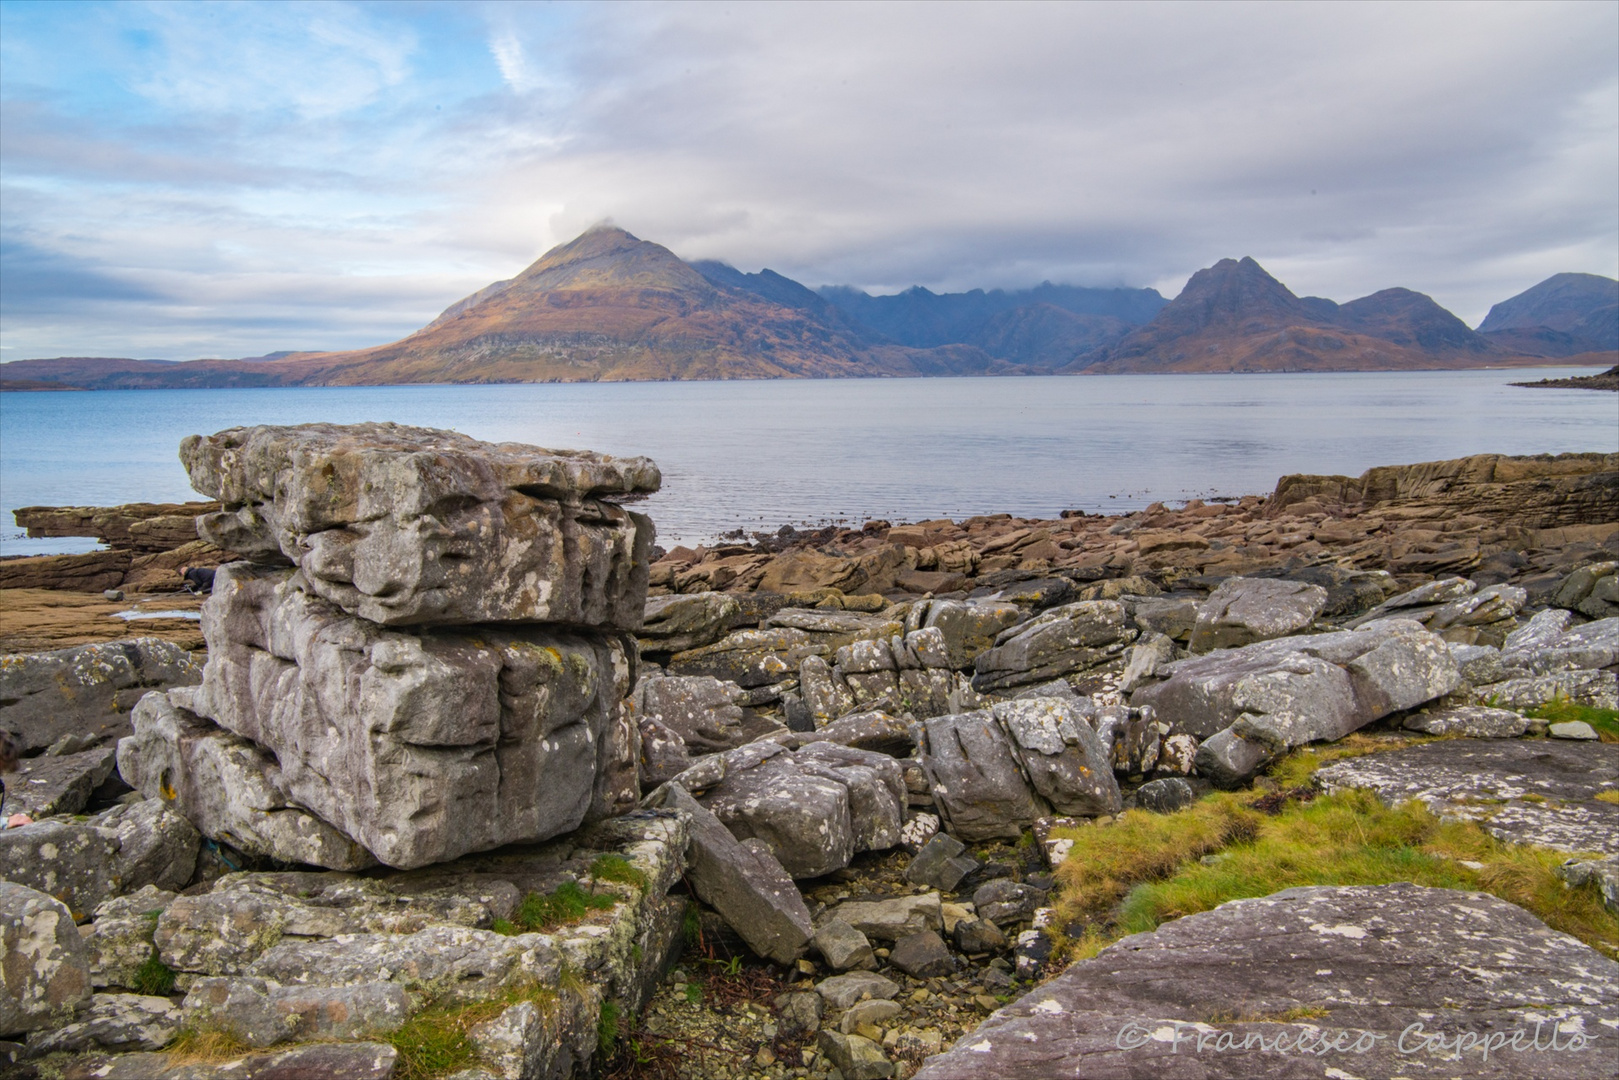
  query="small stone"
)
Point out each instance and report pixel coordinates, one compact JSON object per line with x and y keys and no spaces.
{"x":874,"y":1012}
{"x":941,"y":863}
{"x":976,"y":936}
{"x":923,"y":955}
{"x":765,"y":1057}
{"x":1572,"y":729}
{"x":844,"y":947}
{"x":1004,"y":901}
{"x":798,"y":1013}
{"x":953,"y":914}
{"x":842,"y":991}
{"x":855,"y":1056}
{"x":1165,"y":796}
{"x":985,"y":1002}
{"x":806,"y":967}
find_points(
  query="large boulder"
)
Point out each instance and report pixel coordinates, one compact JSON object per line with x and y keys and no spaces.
{"x":977,"y":780}
{"x":969,"y":628}
{"x":72,"y":862}
{"x":1275,"y":695}
{"x":1244,"y":610}
{"x":1386,"y":980}
{"x":406,"y":526}
{"x":1065,"y":761}
{"x":88,"y":690}
{"x":1067,"y":639}
{"x":701,"y":709}
{"x":421,"y":747}
{"x":45,"y":969}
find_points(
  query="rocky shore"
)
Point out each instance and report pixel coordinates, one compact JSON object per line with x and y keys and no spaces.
{"x":471,"y":779}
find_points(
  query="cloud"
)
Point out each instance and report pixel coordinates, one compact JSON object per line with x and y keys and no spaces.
{"x":338,"y":154}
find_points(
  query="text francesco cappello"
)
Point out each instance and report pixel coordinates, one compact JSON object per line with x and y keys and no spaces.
{"x":1542,"y":1037}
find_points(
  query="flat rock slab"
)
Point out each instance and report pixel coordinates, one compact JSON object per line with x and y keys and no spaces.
{"x":1526,"y":791}
{"x":312,"y":1061}
{"x":1387,"y":978}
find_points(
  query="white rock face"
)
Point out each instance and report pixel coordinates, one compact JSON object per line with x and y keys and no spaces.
{"x":410,"y":526}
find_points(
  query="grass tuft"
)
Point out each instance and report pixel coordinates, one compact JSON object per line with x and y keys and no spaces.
{"x":205,"y":1045}
{"x":435,"y":1043}
{"x":1610,"y":796}
{"x":566,"y":904}
{"x":154,"y":977}
{"x":618,"y":868}
{"x":1604,"y":721}
{"x":607,"y":1029}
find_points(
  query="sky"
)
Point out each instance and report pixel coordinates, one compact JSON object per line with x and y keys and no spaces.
{"x":209,"y":179}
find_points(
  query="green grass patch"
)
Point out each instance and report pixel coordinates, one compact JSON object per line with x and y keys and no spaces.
{"x":154,"y":977}
{"x":607,"y":1029}
{"x":434,"y":1043}
{"x":1348,"y":838}
{"x":1604,"y":721}
{"x":618,"y":868}
{"x":566,"y":904}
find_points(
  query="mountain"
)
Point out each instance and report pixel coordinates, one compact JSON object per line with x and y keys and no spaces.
{"x":1044,"y":327}
{"x":1563,"y":315}
{"x":1233,"y":316}
{"x":604,"y":307}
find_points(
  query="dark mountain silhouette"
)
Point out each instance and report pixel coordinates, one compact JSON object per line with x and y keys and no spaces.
{"x":1563,"y":315}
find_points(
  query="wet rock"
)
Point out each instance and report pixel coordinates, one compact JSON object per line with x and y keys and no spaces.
{"x":1473,"y":721}
{"x":1007,"y":901}
{"x":977,"y":780}
{"x":1065,"y":762}
{"x":744,"y":883}
{"x":687,"y":621}
{"x":1064,"y":640}
{"x":1379,"y":959}
{"x":703,"y":711}
{"x":1165,"y":796}
{"x":45,"y":786}
{"x":856,"y":1057}
{"x":87,"y":690}
{"x":226,"y":785}
{"x":113,"y":1022}
{"x":977,"y":936}
{"x":261,"y":1013}
{"x":841,"y":991}
{"x":1488,"y":781}
{"x":408,"y":526}
{"x":452,"y":743}
{"x":74,"y":863}
{"x":843,"y":947}
{"x":922,"y":955}
{"x":941,"y":863}
{"x":1244,"y":610}
{"x":890,"y":920}
{"x":46,"y":971}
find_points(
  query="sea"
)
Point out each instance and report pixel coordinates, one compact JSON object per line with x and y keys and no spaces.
{"x":757,"y":455}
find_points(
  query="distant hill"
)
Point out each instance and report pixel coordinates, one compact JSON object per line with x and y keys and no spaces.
{"x":1563,"y":315}
{"x":1234,"y":316}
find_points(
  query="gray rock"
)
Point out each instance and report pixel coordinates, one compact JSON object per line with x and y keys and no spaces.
{"x":76,"y":864}
{"x":528,"y":1040}
{"x":421,"y":747}
{"x":1480,"y":663}
{"x":941,"y":863}
{"x":1244,"y":610}
{"x":1603,"y":873}
{"x":1588,"y":646}
{"x":855,"y":1057}
{"x":968,"y":628}
{"x":119,"y":940}
{"x":1487,"y":781}
{"x":841,"y":991}
{"x":843,"y":947}
{"x":1165,"y":796}
{"x":1132,"y":737}
{"x":702,"y":710}
{"x":876,"y":731}
{"x":1065,"y":762}
{"x":890,"y":920}
{"x":88,"y":689}
{"x":922,"y":955}
{"x":46,"y":971}
{"x":113,"y":1022}
{"x":1573,"y":729}
{"x":1175,"y":755}
{"x":1598,"y":689}
{"x":978,"y":784}
{"x":826,"y":696}
{"x":1473,"y":721}
{"x":876,"y":785}
{"x":687,"y":621}
{"x":226,"y":786}
{"x":156,"y":846}
{"x":744,"y":883}
{"x":804,"y":817}
{"x":751,"y":658}
{"x":409,"y":526}
{"x":1228,"y":760}
{"x":44,"y":786}
{"x":663,"y":753}
{"x":1421,"y":602}
{"x":1375,"y":959}
{"x":1151,"y":652}
{"x":1173,"y":617}
{"x":874,"y":1011}
{"x":263,"y":1014}
{"x":1590,"y":590}
{"x":799,"y":1013}
{"x":1005,"y":901}
{"x":1538,"y":633}
{"x":1062,"y":641}
{"x":1286,"y":692}
{"x":310,"y":1061}
{"x":978,"y":936}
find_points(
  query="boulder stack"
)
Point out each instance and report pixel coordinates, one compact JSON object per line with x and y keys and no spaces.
{"x":427,"y":656}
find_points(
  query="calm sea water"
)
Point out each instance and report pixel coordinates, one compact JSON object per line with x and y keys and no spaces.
{"x":757,"y":455}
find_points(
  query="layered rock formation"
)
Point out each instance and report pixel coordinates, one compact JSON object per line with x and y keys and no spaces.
{"x":344,"y":716}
